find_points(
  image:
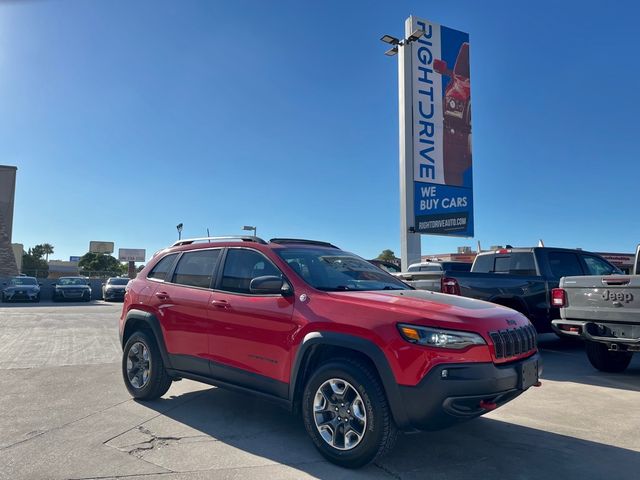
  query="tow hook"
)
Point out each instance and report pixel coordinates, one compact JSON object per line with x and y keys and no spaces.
{"x":488,"y":405}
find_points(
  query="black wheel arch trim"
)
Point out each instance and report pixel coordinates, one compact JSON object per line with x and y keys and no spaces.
{"x":361,"y":345}
{"x":153,"y":323}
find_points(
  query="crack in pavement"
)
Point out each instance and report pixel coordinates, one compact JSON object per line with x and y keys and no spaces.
{"x":387,"y":470}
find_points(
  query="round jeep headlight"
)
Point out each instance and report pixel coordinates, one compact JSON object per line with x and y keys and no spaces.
{"x":438,"y":337}
{"x":452,"y":104}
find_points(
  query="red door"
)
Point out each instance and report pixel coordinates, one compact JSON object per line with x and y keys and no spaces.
{"x":183,"y":304}
{"x":251,"y":333}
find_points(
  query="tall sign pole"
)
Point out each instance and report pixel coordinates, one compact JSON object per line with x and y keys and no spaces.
{"x":410,"y":248}
{"x":436,"y":175}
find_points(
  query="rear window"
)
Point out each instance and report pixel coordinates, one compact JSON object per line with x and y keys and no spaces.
{"x":483,"y":264}
{"x":564,"y":264}
{"x":159,"y":272}
{"x":521,"y":263}
{"x":457,"y":266}
{"x":431,"y":268}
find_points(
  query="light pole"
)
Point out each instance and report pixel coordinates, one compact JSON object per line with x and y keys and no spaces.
{"x":409,"y":240}
{"x":250,"y":228}
{"x":179,"y":228}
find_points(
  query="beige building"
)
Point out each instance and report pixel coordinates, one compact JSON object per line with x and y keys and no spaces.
{"x":8,"y":265}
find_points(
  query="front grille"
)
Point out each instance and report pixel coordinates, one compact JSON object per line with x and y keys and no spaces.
{"x":514,"y":341}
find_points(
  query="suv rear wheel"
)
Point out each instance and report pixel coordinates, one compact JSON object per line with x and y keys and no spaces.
{"x":143,"y":369}
{"x":346,"y":413}
{"x":605,"y":360}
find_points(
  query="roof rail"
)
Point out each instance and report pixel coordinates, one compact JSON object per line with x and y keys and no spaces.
{"x":244,"y":238}
{"x":303,"y":241}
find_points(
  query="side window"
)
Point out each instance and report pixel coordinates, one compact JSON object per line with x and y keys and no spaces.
{"x":564,"y":264}
{"x":596,"y":266}
{"x":159,"y":272}
{"x":196,"y":268}
{"x":243,"y":265}
{"x":483,"y":264}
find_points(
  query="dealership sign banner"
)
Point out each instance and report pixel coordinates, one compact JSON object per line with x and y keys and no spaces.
{"x":441,"y":130}
{"x":131,"y":254}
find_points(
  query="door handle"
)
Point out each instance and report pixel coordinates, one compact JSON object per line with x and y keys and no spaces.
{"x":162,"y":295}
{"x":220,"y":303}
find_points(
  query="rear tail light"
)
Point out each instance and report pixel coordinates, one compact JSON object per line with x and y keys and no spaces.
{"x":558,"y":297}
{"x":450,"y":286}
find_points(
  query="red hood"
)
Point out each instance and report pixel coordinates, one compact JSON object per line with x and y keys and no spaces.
{"x":437,"y":309}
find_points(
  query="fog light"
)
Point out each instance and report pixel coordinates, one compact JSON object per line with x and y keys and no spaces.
{"x":445,"y":373}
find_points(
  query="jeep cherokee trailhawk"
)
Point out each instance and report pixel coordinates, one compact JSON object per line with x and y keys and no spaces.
{"x":359,"y":353}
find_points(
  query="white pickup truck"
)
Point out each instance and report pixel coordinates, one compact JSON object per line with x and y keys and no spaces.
{"x":605,"y":312}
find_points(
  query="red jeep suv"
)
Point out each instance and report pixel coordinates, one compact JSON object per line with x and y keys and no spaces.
{"x":323,"y":332}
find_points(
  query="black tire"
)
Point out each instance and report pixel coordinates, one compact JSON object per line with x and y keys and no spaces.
{"x":380,"y":433}
{"x":37,"y":300}
{"x":158,"y":381}
{"x":605,"y":360}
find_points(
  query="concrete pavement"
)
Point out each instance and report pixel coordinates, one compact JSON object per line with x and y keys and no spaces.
{"x":64,"y":413}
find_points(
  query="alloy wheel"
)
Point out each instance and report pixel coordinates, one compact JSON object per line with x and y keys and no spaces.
{"x":138,"y":365}
{"x":339,"y":413}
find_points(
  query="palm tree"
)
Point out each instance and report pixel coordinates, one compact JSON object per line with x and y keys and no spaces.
{"x":47,"y":249}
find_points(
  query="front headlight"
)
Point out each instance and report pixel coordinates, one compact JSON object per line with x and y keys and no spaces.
{"x":438,"y":337}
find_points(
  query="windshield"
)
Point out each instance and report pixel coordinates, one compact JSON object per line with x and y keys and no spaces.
{"x":23,"y":281}
{"x":71,"y":281}
{"x":118,"y":281}
{"x":333,"y":270}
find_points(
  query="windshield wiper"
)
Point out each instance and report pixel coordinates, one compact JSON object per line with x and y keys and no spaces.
{"x":337,"y":288}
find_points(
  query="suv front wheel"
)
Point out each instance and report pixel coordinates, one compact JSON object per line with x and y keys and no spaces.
{"x":346,"y":413}
{"x":143,"y":369}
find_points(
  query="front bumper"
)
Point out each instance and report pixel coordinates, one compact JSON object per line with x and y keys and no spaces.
{"x":113,"y":295}
{"x":71,"y":294}
{"x":466,"y":391}
{"x":20,"y":295}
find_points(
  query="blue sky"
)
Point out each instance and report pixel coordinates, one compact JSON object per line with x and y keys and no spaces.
{"x":127,"y":118}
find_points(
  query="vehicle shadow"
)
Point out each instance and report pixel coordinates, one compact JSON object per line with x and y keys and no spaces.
{"x":566,"y":361}
{"x":208,"y":426}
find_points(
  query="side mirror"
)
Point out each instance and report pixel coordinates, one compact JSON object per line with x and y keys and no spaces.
{"x":440,"y":66}
{"x":39,"y":284}
{"x":269,"y":285}
{"x":53,"y":284}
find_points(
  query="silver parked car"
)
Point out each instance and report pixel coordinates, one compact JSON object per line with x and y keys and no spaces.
{"x":71,"y":288}
{"x":21,"y":288}
{"x":114,"y":288}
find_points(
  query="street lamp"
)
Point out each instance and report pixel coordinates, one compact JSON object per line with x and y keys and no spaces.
{"x":249,"y":227}
{"x":179,"y":228}
{"x":395,"y":42}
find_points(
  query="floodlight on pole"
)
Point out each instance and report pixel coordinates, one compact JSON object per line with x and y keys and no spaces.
{"x":415,"y":35}
{"x":179,"y":228}
{"x":391,"y":52}
{"x":390,"y":40}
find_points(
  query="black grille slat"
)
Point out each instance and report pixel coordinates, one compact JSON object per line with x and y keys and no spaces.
{"x":514,"y":341}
